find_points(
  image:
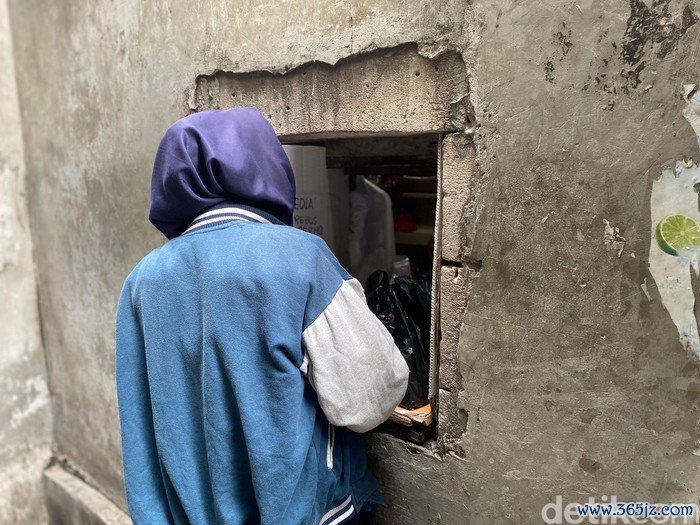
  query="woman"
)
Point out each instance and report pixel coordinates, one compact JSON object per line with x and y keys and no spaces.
{"x":247,"y":359}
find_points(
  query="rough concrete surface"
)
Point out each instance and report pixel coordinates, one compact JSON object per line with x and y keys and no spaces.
{"x":25,"y":433}
{"x":454,"y":287}
{"x":71,"y":501}
{"x":574,"y":382}
{"x":388,"y":91}
{"x":461,"y":196}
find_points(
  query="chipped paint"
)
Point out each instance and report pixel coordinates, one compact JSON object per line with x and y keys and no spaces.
{"x":35,"y":397}
{"x":692,"y":109}
{"x":645,"y":289}
{"x":674,"y":193}
{"x":612,"y":238}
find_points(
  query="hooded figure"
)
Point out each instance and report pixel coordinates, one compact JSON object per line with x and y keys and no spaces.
{"x":246,"y":356}
{"x":215,"y":157}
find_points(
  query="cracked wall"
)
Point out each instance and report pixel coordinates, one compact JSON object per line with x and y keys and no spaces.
{"x":567,"y":376}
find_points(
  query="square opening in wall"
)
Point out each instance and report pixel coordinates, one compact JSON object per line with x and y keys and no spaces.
{"x":374,"y":201}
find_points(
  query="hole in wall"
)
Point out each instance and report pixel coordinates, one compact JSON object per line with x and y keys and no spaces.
{"x":406,"y":99}
{"x":373,"y":200}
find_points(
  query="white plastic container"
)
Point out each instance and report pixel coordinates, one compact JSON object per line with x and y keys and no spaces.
{"x":322,"y":202}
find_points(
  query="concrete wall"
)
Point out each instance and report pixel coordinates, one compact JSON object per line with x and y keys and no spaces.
{"x":568,"y":375}
{"x":575,"y":381}
{"x":25,"y":431}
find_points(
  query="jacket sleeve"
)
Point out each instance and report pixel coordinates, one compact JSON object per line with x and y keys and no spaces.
{"x":145,"y":492}
{"x":349,"y":356}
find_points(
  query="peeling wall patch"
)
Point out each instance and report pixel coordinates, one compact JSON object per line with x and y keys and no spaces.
{"x":675,"y":240}
{"x":645,"y":289}
{"x":652,"y":26}
{"x":612,"y":238}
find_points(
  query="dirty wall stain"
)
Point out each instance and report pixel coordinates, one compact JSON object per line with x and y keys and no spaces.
{"x":654,"y":27}
{"x":674,"y":253}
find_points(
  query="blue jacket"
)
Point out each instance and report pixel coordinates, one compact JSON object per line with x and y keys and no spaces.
{"x":247,"y":358}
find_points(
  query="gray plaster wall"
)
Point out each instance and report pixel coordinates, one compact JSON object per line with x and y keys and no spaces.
{"x":571,"y":377}
{"x":575,"y":382}
{"x":25,"y":431}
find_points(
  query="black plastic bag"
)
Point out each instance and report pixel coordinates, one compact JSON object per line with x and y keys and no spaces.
{"x":404,"y":309}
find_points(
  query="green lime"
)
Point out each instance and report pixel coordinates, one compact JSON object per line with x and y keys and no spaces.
{"x":676,"y":232}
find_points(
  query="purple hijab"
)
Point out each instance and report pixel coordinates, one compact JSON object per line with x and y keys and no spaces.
{"x":217,"y":156}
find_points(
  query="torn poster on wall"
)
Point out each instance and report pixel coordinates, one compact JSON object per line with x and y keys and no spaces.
{"x":674,"y":253}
